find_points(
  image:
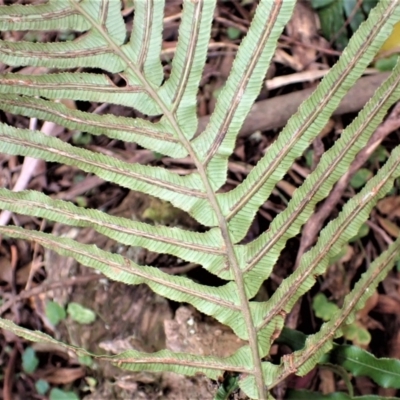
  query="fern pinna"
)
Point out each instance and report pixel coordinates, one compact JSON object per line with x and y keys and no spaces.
{"x":106,"y":45}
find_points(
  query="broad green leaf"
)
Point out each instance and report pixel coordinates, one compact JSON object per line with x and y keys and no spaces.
{"x":353,"y":13}
{"x":85,"y":360}
{"x":308,"y":395}
{"x":29,"y":360}
{"x":384,"y":371}
{"x":326,"y":310}
{"x":54,"y":312}
{"x":228,"y":386}
{"x":363,"y":231}
{"x":359,"y":362}
{"x":380,"y":154}
{"x":59,"y":394}
{"x":321,"y":3}
{"x":323,"y":308}
{"x":357,"y":334}
{"x":80,"y":314}
{"x":360,"y":178}
{"x":42,"y":386}
{"x":292,"y":338}
{"x":233,"y":33}
{"x":332,"y":21}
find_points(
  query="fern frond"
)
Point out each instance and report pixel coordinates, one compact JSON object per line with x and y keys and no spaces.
{"x":53,"y":15}
{"x":153,"y":136}
{"x":202,"y":248}
{"x":320,"y":343}
{"x":263,"y":252}
{"x":220,"y":302}
{"x":241,"y":204}
{"x":146,"y":39}
{"x":127,"y":71}
{"x":164,"y":360}
{"x":180,"y":90}
{"x":67,"y":85}
{"x":90,"y":51}
{"x":182,"y":191}
{"x":337,"y":233}
{"x":217,"y":142}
